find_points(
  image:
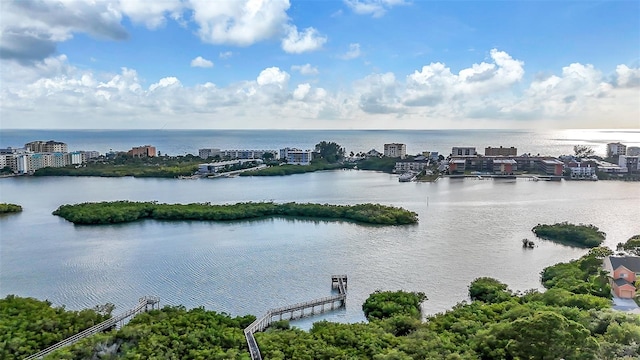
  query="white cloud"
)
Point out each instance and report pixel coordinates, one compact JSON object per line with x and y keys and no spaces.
{"x":273,"y":76}
{"x":298,"y":42}
{"x":241,"y":22}
{"x":165,"y":83}
{"x":305,"y":69}
{"x":354,"y":52}
{"x":201,"y":62}
{"x":375,"y":8}
{"x":52,"y":93}
{"x":225,"y":55}
{"x":627,"y":77}
{"x":151,"y":13}
{"x":301,"y":91}
{"x":30,"y":30}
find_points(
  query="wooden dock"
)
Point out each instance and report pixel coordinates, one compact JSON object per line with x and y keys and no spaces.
{"x":143,"y":305}
{"x":297,"y":311}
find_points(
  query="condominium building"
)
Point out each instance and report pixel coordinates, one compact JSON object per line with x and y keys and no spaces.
{"x":500,"y":151}
{"x":632,"y":163}
{"x":248,"y":154}
{"x":617,"y":148}
{"x":143,"y":151}
{"x":207,"y":153}
{"x":46,"y":146}
{"x":633,"y":151}
{"x":395,"y":150}
{"x":463,"y":151}
{"x":296,"y":156}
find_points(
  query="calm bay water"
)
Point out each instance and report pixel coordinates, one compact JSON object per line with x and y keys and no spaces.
{"x":468,"y":228}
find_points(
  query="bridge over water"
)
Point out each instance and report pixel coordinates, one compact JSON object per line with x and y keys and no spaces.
{"x":143,"y":305}
{"x":297,"y":311}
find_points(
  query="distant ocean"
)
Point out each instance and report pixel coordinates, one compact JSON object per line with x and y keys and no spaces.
{"x":182,"y":142}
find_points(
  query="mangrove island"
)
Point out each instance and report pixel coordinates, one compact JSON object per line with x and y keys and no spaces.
{"x":570,"y":234}
{"x":6,"y":208}
{"x":127,"y":211}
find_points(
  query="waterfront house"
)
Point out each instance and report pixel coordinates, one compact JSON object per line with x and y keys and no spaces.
{"x":623,"y":272}
{"x":374,"y":153}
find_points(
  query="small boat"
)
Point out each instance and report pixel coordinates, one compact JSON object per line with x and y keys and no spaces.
{"x":407,"y":177}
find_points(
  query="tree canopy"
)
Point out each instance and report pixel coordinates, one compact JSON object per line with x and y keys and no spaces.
{"x":330,"y":151}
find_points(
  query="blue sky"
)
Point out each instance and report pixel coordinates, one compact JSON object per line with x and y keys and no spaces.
{"x":320,"y":64}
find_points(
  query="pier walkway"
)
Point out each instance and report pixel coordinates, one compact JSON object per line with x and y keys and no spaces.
{"x":143,"y":305}
{"x":297,"y":311}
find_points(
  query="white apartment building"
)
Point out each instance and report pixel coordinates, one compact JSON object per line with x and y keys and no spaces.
{"x":296,"y":156}
{"x":395,"y":150}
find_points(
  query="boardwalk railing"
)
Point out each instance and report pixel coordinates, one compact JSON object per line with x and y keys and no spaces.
{"x":142,"y":306}
{"x":260,"y":324}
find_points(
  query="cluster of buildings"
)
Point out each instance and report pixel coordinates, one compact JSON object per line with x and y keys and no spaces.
{"x":290,"y":155}
{"x":506,"y":161}
{"x":39,"y":154}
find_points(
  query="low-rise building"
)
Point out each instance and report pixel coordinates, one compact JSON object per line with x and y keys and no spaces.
{"x":623,"y":272}
{"x":374,"y":153}
{"x":220,"y":166}
{"x":633,"y":151}
{"x":457,"y":166}
{"x":553,"y":167}
{"x":248,"y":154}
{"x":631,"y":163}
{"x":418,"y":164}
{"x":504,"y":166}
{"x":581,"y":170}
{"x":463,"y":151}
{"x":207,"y":153}
{"x":500,"y":151}
{"x":142,"y":151}
{"x":395,"y":150}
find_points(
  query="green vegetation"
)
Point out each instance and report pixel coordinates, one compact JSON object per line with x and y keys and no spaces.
{"x":581,"y":276}
{"x":125,"y":165}
{"x":498,"y":324}
{"x":127,"y":211}
{"x":576,"y":235}
{"x":386,"y":304}
{"x":330,"y":151}
{"x":170,"y":333}
{"x":6,"y":208}
{"x":280,"y":170}
{"x":28,"y":325}
{"x":385,"y":164}
{"x":632,"y":245}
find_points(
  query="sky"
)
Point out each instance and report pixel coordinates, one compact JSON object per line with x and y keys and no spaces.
{"x":319,"y":64}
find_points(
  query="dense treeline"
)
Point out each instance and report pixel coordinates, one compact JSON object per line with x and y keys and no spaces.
{"x":125,"y":165}
{"x":578,"y":235}
{"x":631,"y":246}
{"x":386,"y":164}
{"x":497,"y":324}
{"x":127,"y":211}
{"x":6,"y":208}
{"x":170,"y":333}
{"x":582,"y":276}
{"x":28,"y":325}
{"x":280,"y":170}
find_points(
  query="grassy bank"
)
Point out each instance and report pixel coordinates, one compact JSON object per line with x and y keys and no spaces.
{"x":280,"y":170}
{"x":127,"y":211}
